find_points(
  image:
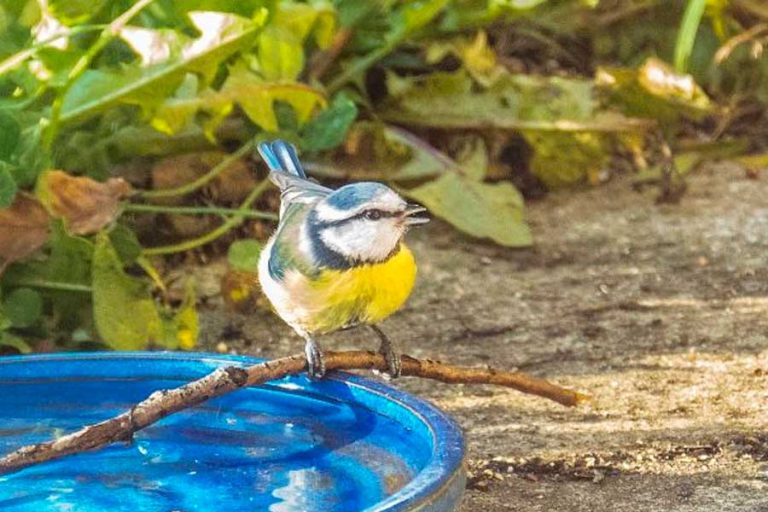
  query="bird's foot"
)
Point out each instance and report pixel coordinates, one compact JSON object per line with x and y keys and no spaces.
{"x":394,"y":362}
{"x":315,"y":360}
{"x":387,"y":349}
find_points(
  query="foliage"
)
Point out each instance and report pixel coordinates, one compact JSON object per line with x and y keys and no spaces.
{"x":429,"y":96}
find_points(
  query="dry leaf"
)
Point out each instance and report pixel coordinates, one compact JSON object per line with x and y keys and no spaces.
{"x":85,"y":205}
{"x":23,"y":229}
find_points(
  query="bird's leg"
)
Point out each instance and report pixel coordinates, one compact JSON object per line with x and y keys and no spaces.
{"x":315,"y":361}
{"x":387,"y":349}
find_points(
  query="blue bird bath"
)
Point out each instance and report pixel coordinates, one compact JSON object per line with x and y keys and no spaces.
{"x":341,"y":444}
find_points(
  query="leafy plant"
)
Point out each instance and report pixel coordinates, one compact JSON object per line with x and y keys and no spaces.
{"x":425,"y":95}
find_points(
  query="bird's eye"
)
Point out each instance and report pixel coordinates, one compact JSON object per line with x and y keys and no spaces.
{"x":373,"y":214}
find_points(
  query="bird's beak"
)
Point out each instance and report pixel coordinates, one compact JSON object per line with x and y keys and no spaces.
{"x":412,"y":215}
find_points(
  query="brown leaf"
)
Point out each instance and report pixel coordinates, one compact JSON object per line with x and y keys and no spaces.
{"x":85,"y":205}
{"x":23,"y":229}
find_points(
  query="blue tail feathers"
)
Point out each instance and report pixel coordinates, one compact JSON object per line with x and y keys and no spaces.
{"x":281,"y":156}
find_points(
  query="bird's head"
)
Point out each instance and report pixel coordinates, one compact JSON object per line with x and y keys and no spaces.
{"x":363,"y":222}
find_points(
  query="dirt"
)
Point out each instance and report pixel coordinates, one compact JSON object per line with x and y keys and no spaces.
{"x":659,"y":312}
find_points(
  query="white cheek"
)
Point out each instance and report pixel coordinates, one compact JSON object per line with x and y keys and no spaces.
{"x":364,"y":240}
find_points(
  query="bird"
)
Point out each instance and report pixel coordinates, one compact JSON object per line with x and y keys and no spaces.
{"x":337,"y":258}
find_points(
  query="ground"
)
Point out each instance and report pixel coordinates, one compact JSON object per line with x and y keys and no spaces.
{"x":659,"y":312}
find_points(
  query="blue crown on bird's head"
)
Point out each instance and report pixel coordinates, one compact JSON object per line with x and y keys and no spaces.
{"x":354,"y":195}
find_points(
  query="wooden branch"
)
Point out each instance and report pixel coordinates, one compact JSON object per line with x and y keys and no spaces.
{"x":224,"y":380}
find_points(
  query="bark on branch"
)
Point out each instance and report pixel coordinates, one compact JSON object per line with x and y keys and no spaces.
{"x":224,"y":380}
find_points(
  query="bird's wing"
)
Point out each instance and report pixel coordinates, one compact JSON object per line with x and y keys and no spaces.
{"x":288,"y":174}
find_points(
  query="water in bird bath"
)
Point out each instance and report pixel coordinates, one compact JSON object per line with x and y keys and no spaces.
{"x":295,"y":446}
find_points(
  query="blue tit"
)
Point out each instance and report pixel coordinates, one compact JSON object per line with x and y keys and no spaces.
{"x":337,"y":258}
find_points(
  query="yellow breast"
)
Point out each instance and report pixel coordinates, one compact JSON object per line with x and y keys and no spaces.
{"x":368,"y":293}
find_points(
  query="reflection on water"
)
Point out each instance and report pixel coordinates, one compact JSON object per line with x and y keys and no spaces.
{"x":256,"y":449}
{"x":304,"y":489}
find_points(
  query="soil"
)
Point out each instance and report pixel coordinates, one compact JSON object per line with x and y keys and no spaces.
{"x":659,"y":312}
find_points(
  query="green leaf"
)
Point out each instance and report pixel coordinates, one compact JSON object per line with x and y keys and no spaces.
{"x":8,"y":187}
{"x":96,"y":91}
{"x":10,"y":132}
{"x":562,"y":159}
{"x":281,"y":43}
{"x":244,"y":255}
{"x":23,"y":307}
{"x":70,"y":260}
{"x":126,"y":244}
{"x":281,"y":54}
{"x":73,"y":12}
{"x":69,"y":263}
{"x":256,"y":97}
{"x":451,"y":100}
{"x":654,"y":91}
{"x":258,"y":100}
{"x":473,"y":159}
{"x":413,"y":15}
{"x":479,"y":209}
{"x":9,"y":340}
{"x":329,"y":128}
{"x":125,"y":314}
{"x":5,"y":322}
{"x":31,"y":161}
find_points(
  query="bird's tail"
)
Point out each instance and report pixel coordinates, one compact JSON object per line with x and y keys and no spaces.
{"x":281,"y":156}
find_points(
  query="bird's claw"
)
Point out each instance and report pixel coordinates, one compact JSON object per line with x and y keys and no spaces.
{"x":394,"y":361}
{"x":315,"y":360}
{"x":387,"y":349}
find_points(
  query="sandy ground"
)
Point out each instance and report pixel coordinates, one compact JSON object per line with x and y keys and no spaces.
{"x":660,"y":312}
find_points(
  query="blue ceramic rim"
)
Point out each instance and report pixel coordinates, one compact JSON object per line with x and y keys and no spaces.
{"x":443,"y":471}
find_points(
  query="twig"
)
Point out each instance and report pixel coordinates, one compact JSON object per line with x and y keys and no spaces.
{"x":224,"y":380}
{"x":744,"y":37}
{"x":323,"y":60}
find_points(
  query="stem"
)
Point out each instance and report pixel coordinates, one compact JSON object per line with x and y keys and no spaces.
{"x":53,"y":285}
{"x":197,"y":210}
{"x":204,"y":179}
{"x":361,"y":65}
{"x":686,"y":35}
{"x":19,"y":57}
{"x":228,"y":225}
{"x":85,"y":61}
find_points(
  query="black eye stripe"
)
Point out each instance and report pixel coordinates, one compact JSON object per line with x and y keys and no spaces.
{"x":361,"y":215}
{"x":375,"y":214}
